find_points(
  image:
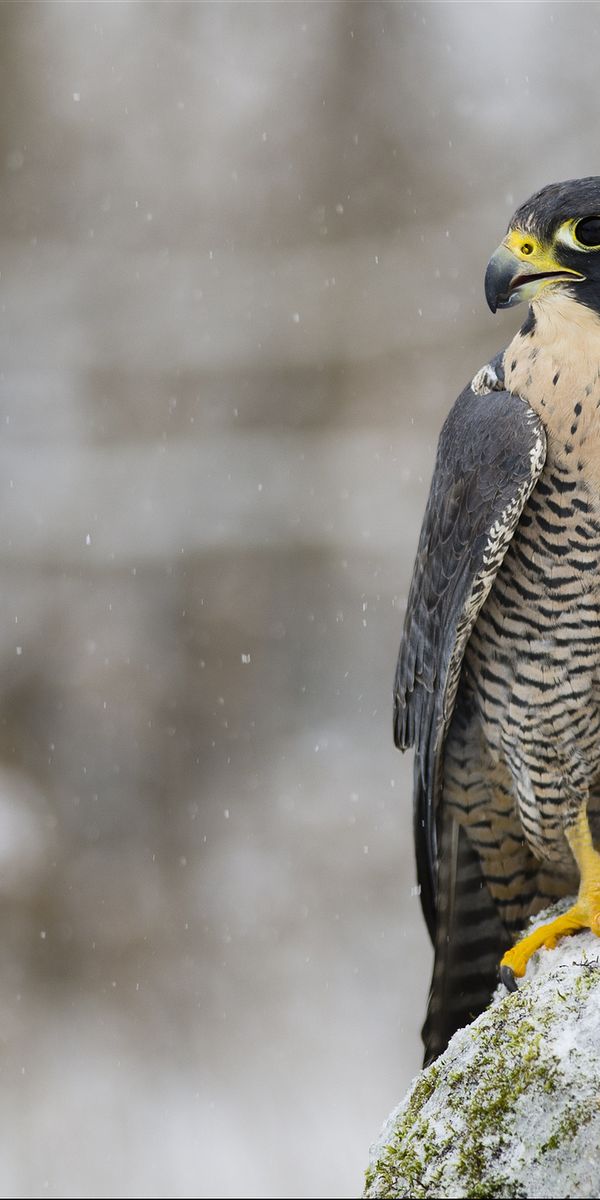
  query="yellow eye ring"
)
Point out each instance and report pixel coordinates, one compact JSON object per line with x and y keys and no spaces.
{"x":587,"y":233}
{"x":583,"y":233}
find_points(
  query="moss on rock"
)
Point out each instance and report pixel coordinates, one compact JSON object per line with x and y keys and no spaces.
{"x":512,"y":1108}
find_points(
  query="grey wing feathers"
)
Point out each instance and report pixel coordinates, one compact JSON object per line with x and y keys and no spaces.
{"x":491,"y":451}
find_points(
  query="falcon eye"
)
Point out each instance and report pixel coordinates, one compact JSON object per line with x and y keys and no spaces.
{"x":526,"y":248}
{"x":587,"y":232}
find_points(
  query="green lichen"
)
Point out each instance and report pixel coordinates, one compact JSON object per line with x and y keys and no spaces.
{"x":401,"y":1159}
{"x":509,"y":1062}
{"x":423,"y":1089}
{"x":501,"y":1113}
{"x":568,"y":1127}
{"x":588,"y":979}
{"x":370,"y":1174}
{"x":401,"y":1162}
{"x":483,"y":1094}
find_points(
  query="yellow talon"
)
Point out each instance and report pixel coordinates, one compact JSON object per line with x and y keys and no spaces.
{"x":585,"y":914}
{"x":545,"y":935}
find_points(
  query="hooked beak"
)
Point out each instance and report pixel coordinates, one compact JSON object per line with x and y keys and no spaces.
{"x":510,"y":277}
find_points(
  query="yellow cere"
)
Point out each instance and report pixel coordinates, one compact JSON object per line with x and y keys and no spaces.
{"x":538,"y":257}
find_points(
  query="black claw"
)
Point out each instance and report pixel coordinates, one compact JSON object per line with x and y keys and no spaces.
{"x":507,"y":976}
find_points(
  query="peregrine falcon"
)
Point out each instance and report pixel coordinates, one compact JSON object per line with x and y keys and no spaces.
{"x":498,"y":677}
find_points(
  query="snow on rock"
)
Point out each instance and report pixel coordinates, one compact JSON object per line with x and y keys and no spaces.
{"x":512,"y":1108}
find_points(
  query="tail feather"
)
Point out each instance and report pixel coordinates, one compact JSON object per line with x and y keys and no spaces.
{"x":469,"y":942}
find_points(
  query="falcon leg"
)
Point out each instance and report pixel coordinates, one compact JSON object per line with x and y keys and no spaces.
{"x":584,"y":914}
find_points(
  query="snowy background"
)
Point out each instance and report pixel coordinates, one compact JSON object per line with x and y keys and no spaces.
{"x":241,"y":259}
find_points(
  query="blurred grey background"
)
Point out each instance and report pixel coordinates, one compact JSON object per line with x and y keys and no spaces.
{"x":241,"y":260}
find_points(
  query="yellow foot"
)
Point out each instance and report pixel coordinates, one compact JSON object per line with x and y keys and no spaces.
{"x":585,"y":914}
{"x":576,"y":918}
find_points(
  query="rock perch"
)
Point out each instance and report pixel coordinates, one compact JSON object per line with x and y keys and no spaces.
{"x":512,"y":1108}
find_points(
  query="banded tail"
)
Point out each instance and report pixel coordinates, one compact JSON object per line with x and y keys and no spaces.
{"x":469,"y":941}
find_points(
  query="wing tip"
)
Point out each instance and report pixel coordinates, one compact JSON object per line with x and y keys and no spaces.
{"x":404,"y":721}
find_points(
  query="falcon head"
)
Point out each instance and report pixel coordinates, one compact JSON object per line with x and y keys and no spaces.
{"x":553,"y":243}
